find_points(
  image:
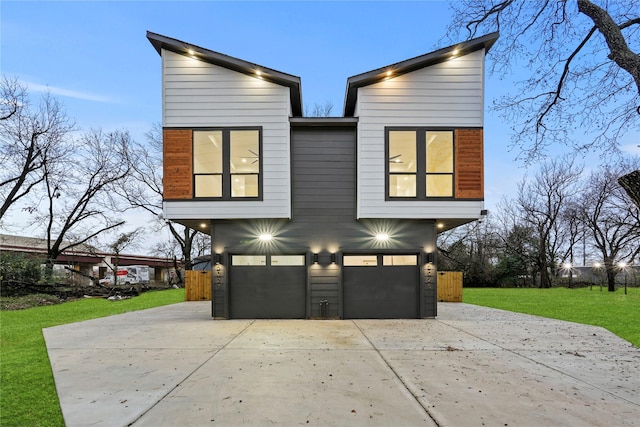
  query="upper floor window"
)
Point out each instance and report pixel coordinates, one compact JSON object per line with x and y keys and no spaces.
{"x":227,"y":163}
{"x":420,"y":163}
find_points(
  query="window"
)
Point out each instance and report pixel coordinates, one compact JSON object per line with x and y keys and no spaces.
{"x":287,"y":260}
{"x":245,"y":260}
{"x":360,"y":260}
{"x":227,"y":163}
{"x":420,"y":163}
{"x":274,"y":260}
{"x":394,"y":260}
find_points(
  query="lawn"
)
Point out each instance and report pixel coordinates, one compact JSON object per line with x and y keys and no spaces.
{"x":615,"y":311}
{"x":27,"y":390}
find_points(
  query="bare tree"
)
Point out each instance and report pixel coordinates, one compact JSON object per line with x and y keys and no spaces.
{"x":542,"y":201}
{"x":79,"y":191}
{"x":144,"y":188}
{"x":30,"y":139}
{"x":123,"y":241}
{"x":518,"y":244}
{"x":319,"y":110}
{"x":612,"y":221}
{"x":472,"y":249}
{"x":585,"y":74}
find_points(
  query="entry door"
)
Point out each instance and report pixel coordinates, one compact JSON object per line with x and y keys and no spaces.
{"x":381,"y":286}
{"x":267,"y":287}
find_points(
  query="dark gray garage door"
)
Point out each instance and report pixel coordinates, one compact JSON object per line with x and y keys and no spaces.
{"x":267,"y":287}
{"x":381,"y":287}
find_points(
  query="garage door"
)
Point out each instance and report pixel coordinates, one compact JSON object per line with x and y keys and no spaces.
{"x":267,"y":287}
{"x":381,"y":286}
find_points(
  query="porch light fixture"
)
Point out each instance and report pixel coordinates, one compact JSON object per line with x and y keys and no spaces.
{"x":217,"y":259}
{"x":429,"y":257}
{"x":333,"y":258}
{"x":315,"y":258}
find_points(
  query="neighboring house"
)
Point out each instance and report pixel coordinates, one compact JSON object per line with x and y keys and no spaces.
{"x":323,"y":217}
{"x":85,"y":258}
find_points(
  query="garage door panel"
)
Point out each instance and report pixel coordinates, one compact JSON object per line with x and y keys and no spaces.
{"x":381,"y":292}
{"x":267,"y":292}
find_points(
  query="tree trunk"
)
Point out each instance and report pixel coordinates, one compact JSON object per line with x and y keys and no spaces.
{"x":187,"y":248}
{"x":611,"y":275}
{"x":545,"y":280}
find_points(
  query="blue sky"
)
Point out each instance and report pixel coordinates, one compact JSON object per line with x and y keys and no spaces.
{"x":94,"y":56}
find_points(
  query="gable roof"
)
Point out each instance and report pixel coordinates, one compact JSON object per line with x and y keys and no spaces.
{"x":413,"y":64}
{"x":160,"y":42}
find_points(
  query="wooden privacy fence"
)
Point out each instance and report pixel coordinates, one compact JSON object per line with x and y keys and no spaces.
{"x":197,"y":285}
{"x":450,"y":286}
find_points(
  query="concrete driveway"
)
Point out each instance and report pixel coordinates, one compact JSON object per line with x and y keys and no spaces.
{"x":472,"y":366}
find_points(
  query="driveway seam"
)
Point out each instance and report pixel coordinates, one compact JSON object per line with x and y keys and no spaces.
{"x":515,"y":352}
{"x":437,"y":419}
{"x":196,"y":369}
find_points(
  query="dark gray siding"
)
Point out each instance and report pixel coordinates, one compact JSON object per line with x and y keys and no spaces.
{"x":324,"y":290}
{"x":324,"y":222}
{"x":324,"y":203}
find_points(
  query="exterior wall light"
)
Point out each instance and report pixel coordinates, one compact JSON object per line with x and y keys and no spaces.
{"x":265,"y":237}
{"x":429,"y":258}
{"x":315,"y":258}
{"x":217,"y":259}
{"x":382,"y":237}
{"x":333,"y":258}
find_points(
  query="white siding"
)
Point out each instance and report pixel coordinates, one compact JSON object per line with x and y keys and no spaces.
{"x":198,"y":94}
{"x":448,"y":94}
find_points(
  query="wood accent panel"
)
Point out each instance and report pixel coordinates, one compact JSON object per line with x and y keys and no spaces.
{"x":469,"y":161}
{"x":197,"y":285}
{"x":177,"y":149}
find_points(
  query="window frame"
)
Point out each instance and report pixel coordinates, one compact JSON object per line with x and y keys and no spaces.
{"x":421,"y":163}
{"x":226,"y":174}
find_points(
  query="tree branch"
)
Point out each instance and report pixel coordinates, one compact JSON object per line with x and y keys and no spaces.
{"x":561,"y":81}
{"x":620,"y":52}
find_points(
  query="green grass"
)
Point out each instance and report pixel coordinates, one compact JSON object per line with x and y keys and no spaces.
{"x":27,"y":389}
{"x":615,"y":311}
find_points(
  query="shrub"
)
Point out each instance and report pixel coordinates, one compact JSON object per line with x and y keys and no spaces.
{"x":18,"y":268}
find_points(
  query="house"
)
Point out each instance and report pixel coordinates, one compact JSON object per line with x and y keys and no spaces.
{"x":323,"y":217}
{"x":84,"y":258}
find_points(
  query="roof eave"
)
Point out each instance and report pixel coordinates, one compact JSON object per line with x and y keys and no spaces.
{"x":160,"y":42}
{"x":413,"y":64}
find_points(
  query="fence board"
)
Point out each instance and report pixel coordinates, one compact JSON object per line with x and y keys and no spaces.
{"x":197,"y":285}
{"x":450,"y":286}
